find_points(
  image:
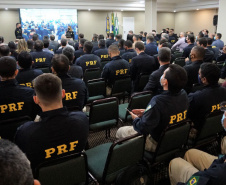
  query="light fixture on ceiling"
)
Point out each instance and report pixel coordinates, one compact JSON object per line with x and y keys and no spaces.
{"x":142,"y":2}
{"x":197,"y":9}
{"x":122,"y":10}
{"x":6,"y":8}
{"x":89,"y":9}
{"x":174,"y":11}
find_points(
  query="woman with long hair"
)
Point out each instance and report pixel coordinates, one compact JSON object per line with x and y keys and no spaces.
{"x":22,"y":46}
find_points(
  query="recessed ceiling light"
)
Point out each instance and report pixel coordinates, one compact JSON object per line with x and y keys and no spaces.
{"x":174,"y":11}
{"x":122,"y":10}
{"x":6,"y":8}
{"x":89,"y":9}
{"x":197,"y":9}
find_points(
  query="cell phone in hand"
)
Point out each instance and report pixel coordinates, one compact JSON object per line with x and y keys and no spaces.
{"x":128,"y":109}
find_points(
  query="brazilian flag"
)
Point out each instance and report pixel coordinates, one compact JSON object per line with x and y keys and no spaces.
{"x":112,"y":23}
{"x":107,"y":24}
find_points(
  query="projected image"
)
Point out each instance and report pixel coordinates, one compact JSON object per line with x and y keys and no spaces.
{"x":45,"y":22}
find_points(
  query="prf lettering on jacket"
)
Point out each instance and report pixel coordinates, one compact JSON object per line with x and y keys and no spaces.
{"x":91,"y":63}
{"x":130,"y":60}
{"x":71,"y":96}
{"x":61,"y":149}
{"x":215,"y":107}
{"x":178,"y":117}
{"x":121,"y":72}
{"x":11,"y":107}
{"x":40,"y":59}
{"x":29,"y":84}
{"x":103,"y":56}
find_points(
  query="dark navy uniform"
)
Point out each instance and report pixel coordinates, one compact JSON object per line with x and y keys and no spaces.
{"x":16,"y":101}
{"x":55,"y":44}
{"x":75,"y":92}
{"x":103,"y":54}
{"x":187,"y":50}
{"x":59,"y":51}
{"x":129,"y":54}
{"x":154,"y":80}
{"x":109,"y":42}
{"x":151,"y":49}
{"x":156,"y":116}
{"x":75,"y":71}
{"x":95,"y":46}
{"x":18,"y":33}
{"x":215,"y":174}
{"x":142,"y":63}
{"x":209,"y":56}
{"x":78,"y":53}
{"x":88,"y":61}
{"x":215,"y":50}
{"x":204,"y":102}
{"x":122,"y":51}
{"x":172,"y":40}
{"x":58,"y":133}
{"x":192,"y":72}
{"x":26,"y":76}
{"x":221,"y":58}
{"x":115,"y":69}
{"x":41,"y":59}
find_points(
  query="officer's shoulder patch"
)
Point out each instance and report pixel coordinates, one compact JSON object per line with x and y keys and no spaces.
{"x":193,"y":180}
{"x":213,"y":46}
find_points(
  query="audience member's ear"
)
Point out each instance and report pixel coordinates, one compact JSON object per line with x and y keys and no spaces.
{"x":69,"y":67}
{"x":36,"y":100}
{"x":63,"y":93}
{"x":32,"y":63}
{"x":36,"y":182}
{"x":16,"y":72}
{"x":53,"y":71}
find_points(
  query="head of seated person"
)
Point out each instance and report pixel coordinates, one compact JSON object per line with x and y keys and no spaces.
{"x":209,"y":74}
{"x":38,"y":45}
{"x":4,"y":50}
{"x":69,"y":53}
{"x":121,"y":43}
{"x":60,"y":64}
{"x":15,"y":168}
{"x":81,"y":42}
{"x":35,"y":37}
{"x":49,"y":92}
{"x":94,"y":38}
{"x":174,"y":78}
{"x":164,"y":55}
{"x":197,"y":53}
{"x":24,"y":60}
{"x":22,"y":46}
{"x":113,"y":50}
{"x":164,"y":43}
{"x":101,"y":43}
{"x":150,"y":39}
{"x":111,"y":36}
{"x":128,"y":45}
{"x":202,"y":42}
{"x":1,"y":39}
{"x":101,"y":36}
{"x":46,"y":43}
{"x":8,"y":68}
{"x":63,"y":42}
{"x":139,"y":47}
{"x":87,"y":48}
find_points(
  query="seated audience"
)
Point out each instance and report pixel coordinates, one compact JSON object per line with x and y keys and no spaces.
{"x":4,"y":51}
{"x":53,"y":42}
{"x":12,"y":49}
{"x":209,"y":55}
{"x":110,"y":40}
{"x":102,"y":52}
{"x":15,"y":100}
{"x":121,"y":44}
{"x":153,"y":120}
{"x":214,"y":49}
{"x":129,"y":51}
{"x":26,"y":74}
{"x":75,"y":89}
{"x":181,"y":43}
{"x":59,"y":132}
{"x":63,"y":43}
{"x":88,"y":60}
{"x":46,"y":46}
{"x":218,"y":42}
{"x":95,"y":42}
{"x":151,"y":48}
{"x":187,"y":50}
{"x":80,"y":36}
{"x":79,"y":52}
{"x":222,"y":58}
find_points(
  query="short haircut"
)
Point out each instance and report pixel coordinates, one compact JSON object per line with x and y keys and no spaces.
{"x":203,"y":41}
{"x":136,"y":36}
{"x":128,"y":43}
{"x":139,"y":45}
{"x":121,"y":43}
{"x":199,"y":52}
{"x":63,"y":42}
{"x":176,"y":77}
{"x":100,"y":36}
{"x":88,"y":46}
{"x":12,"y":45}
{"x":145,"y":34}
{"x":24,"y":59}
{"x":46,"y":43}
{"x":82,"y":41}
{"x":4,"y":50}
{"x":118,"y":37}
{"x":1,"y":39}
{"x":52,"y":37}
{"x":7,"y":67}
{"x":191,"y":37}
{"x":162,"y":41}
{"x":150,"y":38}
{"x":17,"y":24}
{"x":14,"y":166}
{"x":30,"y":44}
{"x":95,"y":36}
{"x":81,"y":35}
{"x":101,"y":43}
{"x":164,"y":54}
{"x":69,"y":53}
{"x":165,"y":36}
{"x":38,"y":45}
{"x":211,"y":72}
{"x":35,"y":37}
{"x":209,"y":41}
{"x":219,"y":35}
{"x":60,"y":64}
{"x":113,"y":48}
{"x":140,"y":37}
{"x":48,"y":88}
{"x":129,"y":37}
{"x":111,"y":35}
{"x":200,"y":34}
{"x":141,"y":32}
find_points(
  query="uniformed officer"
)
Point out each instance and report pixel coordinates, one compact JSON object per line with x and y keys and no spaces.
{"x":142,"y":63}
{"x":110,"y":40}
{"x":157,"y":117}
{"x":88,"y":60}
{"x":151,"y":48}
{"x":26,"y":74}
{"x":116,"y":68}
{"x":207,"y":100}
{"x":80,"y":52}
{"x":129,"y":51}
{"x":75,"y":89}
{"x":209,"y":55}
{"x":41,"y":58}
{"x":164,"y":61}
{"x":95,"y":43}
{"x":102,"y":52}
{"x":15,"y":100}
{"x":58,"y":132}
{"x":198,"y":168}
{"x":18,"y":31}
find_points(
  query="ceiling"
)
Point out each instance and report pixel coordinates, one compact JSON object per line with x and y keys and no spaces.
{"x":116,"y":5}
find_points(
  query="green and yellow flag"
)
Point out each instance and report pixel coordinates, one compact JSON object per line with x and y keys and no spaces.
{"x":112,"y":23}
